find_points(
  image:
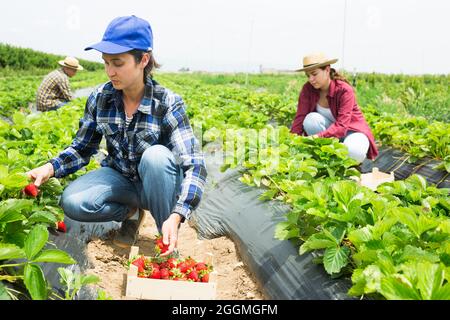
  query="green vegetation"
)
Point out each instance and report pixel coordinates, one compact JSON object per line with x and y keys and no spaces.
{"x":394,"y":243}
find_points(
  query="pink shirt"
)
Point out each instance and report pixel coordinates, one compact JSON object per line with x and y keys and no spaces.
{"x":344,"y":108}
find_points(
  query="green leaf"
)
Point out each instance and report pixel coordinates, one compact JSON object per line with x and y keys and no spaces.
{"x":417,"y":225}
{"x":430,"y":278}
{"x":394,"y":289}
{"x":442,"y":293}
{"x":411,"y":253}
{"x":16,"y":180}
{"x":43,"y":216}
{"x":11,"y":216}
{"x":14,"y":205}
{"x":10,"y":251}
{"x":335,"y":233}
{"x":52,"y":186}
{"x":67,"y":278}
{"x":35,"y":241}
{"x":316,"y":241}
{"x":286,"y":230}
{"x":359,"y":236}
{"x":3,"y":171}
{"x":3,"y":293}
{"x":89,"y":279}
{"x":54,"y":255}
{"x":444,"y":226}
{"x":372,"y":276}
{"x":268,"y":195}
{"x":35,"y":282}
{"x":335,"y":258}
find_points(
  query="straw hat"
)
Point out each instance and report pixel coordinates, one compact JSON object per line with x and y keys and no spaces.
{"x":71,"y":62}
{"x":315,"y":60}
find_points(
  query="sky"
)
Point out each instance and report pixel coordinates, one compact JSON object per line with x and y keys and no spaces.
{"x":386,"y":36}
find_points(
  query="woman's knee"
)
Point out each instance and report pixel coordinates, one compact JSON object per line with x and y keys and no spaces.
{"x":357,"y":144}
{"x":314,"y":123}
{"x":72,"y":203}
{"x":156,"y":157}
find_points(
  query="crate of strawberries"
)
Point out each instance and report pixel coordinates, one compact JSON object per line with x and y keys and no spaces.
{"x":169,"y":278}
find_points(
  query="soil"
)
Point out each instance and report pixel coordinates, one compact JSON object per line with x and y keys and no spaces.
{"x":234,"y":280}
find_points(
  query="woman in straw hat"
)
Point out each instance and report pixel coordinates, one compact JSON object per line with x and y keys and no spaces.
{"x":327,"y":108}
{"x":154,"y":160}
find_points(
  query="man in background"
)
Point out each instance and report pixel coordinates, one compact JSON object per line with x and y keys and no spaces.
{"x":54,"y":91}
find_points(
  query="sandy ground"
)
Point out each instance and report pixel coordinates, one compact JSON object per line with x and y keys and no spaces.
{"x":234,"y":281}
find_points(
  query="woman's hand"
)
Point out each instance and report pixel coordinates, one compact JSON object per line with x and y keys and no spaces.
{"x":170,"y":232}
{"x":41,"y":174}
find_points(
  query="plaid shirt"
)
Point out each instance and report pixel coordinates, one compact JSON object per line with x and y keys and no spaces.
{"x":160,"y":119}
{"x":53,"y":90}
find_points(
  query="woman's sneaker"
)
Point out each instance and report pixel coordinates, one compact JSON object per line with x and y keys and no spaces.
{"x":127,"y":235}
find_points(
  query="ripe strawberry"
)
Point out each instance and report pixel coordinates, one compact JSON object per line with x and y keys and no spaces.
{"x":201,"y":266}
{"x":190,"y":262}
{"x":183,"y":266}
{"x":193,"y":275}
{"x":155,"y":274}
{"x":140,"y":263}
{"x":205,"y":277}
{"x":172,"y":262}
{"x":61,"y":226}
{"x":164,"y":273}
{"x":154,"y":265}
{"x":31,"y":190}
{"x":160,"y":247}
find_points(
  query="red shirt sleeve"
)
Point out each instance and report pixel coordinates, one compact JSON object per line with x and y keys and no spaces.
{"x":345,"y":106}
{"x":302,"y":111}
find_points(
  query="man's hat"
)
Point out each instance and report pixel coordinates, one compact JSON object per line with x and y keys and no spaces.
{"x":70,"y":62}
{"x":124,"y":34}
{"x":315,"y":60}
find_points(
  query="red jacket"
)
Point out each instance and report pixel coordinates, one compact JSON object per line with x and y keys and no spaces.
{"x":344,"y":108}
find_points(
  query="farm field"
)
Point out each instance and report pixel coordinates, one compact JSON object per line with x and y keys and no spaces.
{"x":392,"y":243}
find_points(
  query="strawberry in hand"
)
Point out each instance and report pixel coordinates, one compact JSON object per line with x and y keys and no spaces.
{"x":31,"y":190}
{"x":160,"y":247}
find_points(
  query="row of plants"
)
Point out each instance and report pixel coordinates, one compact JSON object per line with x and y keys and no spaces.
{"x":413,"y":135}
{"x":26,"y":217}
{"x":393,"y":243}
{"x":305,"y":164}
{"x":235,"y":105}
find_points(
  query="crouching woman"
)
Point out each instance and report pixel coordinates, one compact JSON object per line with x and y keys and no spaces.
{"x":327,"y":108}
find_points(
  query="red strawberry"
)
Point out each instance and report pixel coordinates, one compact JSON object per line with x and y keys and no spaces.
{"x":31,"y":190}
{"x":160,"y":247}
{"x":183,"y":266}
{"x":193,"y":275}
{"x":140,"y":263}
{"x":172,"y":262}
{"x":190,"y":262}
{"x":61,"y":226}
{"x":156,"y":274}
{"x":205,"y":277}
{"x":164,"y":273}
{"x":155,"y":265}
{"x":201,"y":266}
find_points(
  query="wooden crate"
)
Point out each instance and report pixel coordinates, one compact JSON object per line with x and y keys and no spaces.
{"x":158,"y":289}
{"x":373,"y":179}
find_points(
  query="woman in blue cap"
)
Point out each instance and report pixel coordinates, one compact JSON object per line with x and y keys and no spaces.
{"x":154,"y":161}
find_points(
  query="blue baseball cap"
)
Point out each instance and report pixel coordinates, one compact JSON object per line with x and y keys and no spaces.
{"x":124,"y":34}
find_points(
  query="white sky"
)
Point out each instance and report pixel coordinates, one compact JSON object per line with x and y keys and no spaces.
{"x":389,"y":36}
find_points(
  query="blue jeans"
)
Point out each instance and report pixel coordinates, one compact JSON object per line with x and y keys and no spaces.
{"x":357,"y":143}
{"x":106,"y":195}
